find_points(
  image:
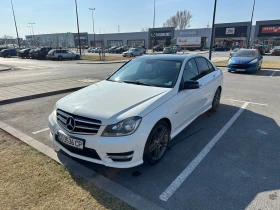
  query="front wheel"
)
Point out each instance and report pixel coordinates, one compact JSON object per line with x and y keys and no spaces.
{"x":157,"y":143}
{"x":9,"y":56}
{"x":59,"y":58}
{"x":216,"y":100}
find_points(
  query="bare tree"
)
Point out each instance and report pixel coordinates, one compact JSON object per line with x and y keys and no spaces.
{"x":181,"y":20}
{"x":145,"y":29}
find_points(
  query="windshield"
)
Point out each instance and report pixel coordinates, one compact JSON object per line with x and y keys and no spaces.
{"x":159,"y":73}
{"x":131,"y":49}
{"x":246,"y":53}
{"x":235,"y":50}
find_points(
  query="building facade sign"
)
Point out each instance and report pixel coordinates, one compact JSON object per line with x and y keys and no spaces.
{"x":230,"y":30}
{"x":270,"y":29}
{"x":226,"y":32}
{"x":186,"y":33}
{"x":163,"y":34}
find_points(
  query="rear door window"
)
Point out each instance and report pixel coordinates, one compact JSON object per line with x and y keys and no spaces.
{"x":190,"y":71}
{"x":211,"y":67}
{"x":203,"y":67}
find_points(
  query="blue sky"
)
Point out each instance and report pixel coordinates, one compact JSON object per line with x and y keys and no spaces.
{"x":53,"y":16}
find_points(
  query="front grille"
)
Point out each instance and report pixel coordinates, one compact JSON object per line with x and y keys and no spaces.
{"x":86,"y":152}
{"x":83,"y":125}
{"x":240,"y":66}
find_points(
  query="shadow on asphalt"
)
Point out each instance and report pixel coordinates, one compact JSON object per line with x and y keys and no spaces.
{"x":263,"y":72}
{"x":241,"y":165}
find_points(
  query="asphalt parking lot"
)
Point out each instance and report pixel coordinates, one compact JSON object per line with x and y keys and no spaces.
{"x":223,"y":160}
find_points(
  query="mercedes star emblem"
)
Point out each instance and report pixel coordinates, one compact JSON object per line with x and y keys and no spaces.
{"x":70,"y":123}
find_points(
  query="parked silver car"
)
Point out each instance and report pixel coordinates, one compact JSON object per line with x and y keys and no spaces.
{"x":132,"y":52}
{"x":62,"y":54}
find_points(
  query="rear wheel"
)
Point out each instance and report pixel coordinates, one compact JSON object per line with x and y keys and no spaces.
{"x":157,"y":143}
{"x":8,"y":55}
{"x":59,"y":58}
{"x":216,"y":100}
{"x":77,"y":57}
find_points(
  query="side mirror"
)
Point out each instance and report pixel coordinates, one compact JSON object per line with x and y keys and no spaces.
{"x":191,"y":85}
{"x":261,"y":57}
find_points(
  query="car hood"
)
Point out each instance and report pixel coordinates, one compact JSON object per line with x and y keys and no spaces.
{"x":242,"y":59}
{"x":112,"y":102}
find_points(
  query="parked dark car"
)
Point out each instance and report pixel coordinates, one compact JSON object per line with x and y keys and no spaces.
{"x":221,"y":48}
{"x":41,"y":53}
{"x":8,"y":53}
{"x":112,"y":49}
{"x":24,"y":53}
{"x":275,"y":50}
{"x":120,"y":49}
{"x":157,"y":48}
{"x":32,"y":53}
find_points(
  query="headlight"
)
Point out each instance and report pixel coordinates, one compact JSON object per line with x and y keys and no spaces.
{"x":230,"y":61}
{"x":54,"y":110}
{"x":254,"y":61}
{"x":123,"y":128}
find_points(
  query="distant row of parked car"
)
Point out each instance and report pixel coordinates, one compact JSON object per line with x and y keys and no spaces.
{"x":40,"y":53}
{"x":115,"y":49}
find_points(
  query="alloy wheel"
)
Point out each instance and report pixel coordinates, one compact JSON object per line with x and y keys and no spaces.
{"x":159,"y":141}
{"x":216,"y":100}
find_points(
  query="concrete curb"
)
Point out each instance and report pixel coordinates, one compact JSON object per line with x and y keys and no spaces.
{"x":109,"y":62}
{"x":102,"y":182}
{"x":40,"y":95}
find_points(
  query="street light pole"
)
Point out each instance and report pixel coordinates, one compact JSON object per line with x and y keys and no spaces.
{"x":212,"y":33}
{"x":154,"y":13}
{"x":248,"y":41}
{"x":31,"y":25}
{"x":93,"y":24}
{"x":78,"y":27}
{"x":15,"y":23}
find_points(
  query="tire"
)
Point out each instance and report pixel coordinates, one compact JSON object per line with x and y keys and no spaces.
{"x":216,"y":100}
{"x":77,"y":57}
{"x":8,"y":55}
{"x":60,"y":58}
{"x":157,"y":143}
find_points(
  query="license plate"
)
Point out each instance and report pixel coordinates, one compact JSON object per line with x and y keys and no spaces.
{"x":240,"y":69}
{"x":70,"y":141}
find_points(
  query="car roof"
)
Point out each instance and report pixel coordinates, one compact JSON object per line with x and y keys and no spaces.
{"x":180,"y":57}
{"x":248,"y":49}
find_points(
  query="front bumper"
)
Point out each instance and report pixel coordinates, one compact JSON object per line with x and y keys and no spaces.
{"x":243,"y":67}
{"x":105,"y":146}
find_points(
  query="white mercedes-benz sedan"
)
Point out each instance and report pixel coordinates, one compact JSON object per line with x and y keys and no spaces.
{"x":130,"y":117}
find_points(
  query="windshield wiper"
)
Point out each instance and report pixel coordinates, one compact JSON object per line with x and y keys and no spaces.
{"x":136,"y":82}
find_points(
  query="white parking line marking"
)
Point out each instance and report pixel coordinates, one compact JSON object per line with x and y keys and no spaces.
{"x":40,"y":131}
{"x":262,"y":132}
{"x":248,"y":102}
{"x":272,"y":74}
{"x":190,"y":168}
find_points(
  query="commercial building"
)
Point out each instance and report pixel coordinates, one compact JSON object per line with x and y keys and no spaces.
{"x":229,"y":34}
{"x":232,"y":34}
{"x":267,"y":33}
